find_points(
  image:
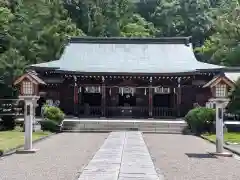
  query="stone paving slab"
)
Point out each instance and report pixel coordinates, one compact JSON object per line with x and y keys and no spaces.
{"x":136,"y":160}
{"x":137,"y":177}
{"x":97,"y":176}
{"x":106,"y":163}
{"x":123,"y":156}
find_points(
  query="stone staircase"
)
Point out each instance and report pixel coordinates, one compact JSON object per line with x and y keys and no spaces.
{"x":100,"y":125}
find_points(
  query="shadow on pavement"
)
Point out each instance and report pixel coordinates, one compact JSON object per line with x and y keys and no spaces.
{"x":200,"y":156}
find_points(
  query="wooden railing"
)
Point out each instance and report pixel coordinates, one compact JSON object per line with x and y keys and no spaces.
{"x":126,"y":112}
{"x":91,"y":111}
{"x":121,"y":111}
{"x":162,"y":112}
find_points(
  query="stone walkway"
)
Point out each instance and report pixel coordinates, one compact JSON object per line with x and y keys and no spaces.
{"x":123,"y":156}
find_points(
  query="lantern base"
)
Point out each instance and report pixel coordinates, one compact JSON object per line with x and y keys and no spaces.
{"x":223,"y":154}
{"x":26,"y":97}
{"x":27,"y":151}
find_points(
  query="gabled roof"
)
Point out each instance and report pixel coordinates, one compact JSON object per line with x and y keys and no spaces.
{"x":128,"y":55}
{"x":217,"y":79}
{"x":233,"y":76}
{"x":31,"y":76}
{"x":229,"y":78}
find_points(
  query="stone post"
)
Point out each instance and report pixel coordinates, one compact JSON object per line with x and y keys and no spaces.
{"x":30,"y":102}
{"x":28,"y":124}
{"x":219,"y":128}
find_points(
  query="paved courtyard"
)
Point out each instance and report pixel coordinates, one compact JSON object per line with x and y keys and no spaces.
{"x":183,"y":157}
{"x":61,"y":157}
{"x":120,"y":156}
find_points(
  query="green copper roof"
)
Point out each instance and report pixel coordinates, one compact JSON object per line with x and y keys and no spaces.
{"x":128,"y":55}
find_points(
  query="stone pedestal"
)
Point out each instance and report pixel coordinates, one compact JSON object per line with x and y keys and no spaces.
{"x":219,"y":128}
{"x":220,"y":106}
{"x":30,"y":102}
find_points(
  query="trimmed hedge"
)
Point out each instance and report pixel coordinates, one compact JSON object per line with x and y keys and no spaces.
{"x":201,"y":119}
{"x":53,"y":113}
{"x":49,"y":125}
{"x":8,"y":122}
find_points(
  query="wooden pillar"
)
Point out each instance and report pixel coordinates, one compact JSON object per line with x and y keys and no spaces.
{"x":80,"y":95}
{"x":75,"y":96}
{"x":103,"y":101}
{"x":179,"y":92}
{"x":150,"y":101}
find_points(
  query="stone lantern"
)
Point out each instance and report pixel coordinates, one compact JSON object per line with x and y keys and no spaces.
{"x":28,"y":85}
{"x":220,"y":87}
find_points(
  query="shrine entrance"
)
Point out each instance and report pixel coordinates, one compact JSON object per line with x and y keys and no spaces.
{"x":127,"y":100}
{"x":162,"y":100}
{"x":92,"y":99}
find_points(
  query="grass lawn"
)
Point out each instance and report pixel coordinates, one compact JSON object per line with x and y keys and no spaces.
{"x":233,"y":137}
{"x":12,"y":139}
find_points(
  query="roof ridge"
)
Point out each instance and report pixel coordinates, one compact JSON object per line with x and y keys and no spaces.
{"x":131,"y":40}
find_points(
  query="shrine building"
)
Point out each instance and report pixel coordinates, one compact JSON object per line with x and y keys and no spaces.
{"x":126,"y":77}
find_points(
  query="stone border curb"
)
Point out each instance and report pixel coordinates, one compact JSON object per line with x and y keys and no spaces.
{"x":230,"y":143}
{"x":224,"y":146}
{"x":14,"y":150}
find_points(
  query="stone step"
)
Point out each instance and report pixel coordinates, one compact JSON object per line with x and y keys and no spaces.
{"x":113,"y":125}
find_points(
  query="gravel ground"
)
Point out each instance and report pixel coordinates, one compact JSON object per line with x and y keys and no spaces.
{"x":182,"y":157}
{"x":61,"y":157}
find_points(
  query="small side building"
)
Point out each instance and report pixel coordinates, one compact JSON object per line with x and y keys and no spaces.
{"x":221,"y":86}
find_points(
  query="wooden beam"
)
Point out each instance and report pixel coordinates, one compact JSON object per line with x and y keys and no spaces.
{"x":179,"y":92}
{"x":150,"y":98}
{"x":75,"y":95}
{"x":103,"y":101}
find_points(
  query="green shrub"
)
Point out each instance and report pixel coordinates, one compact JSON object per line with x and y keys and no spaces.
{"x":49,"y":125}
{"x":53,"y":113}
{"x":234,"y":104}
{"x":200,"y":119}
{"x":8,"y":122}
{"x":20,"y":123}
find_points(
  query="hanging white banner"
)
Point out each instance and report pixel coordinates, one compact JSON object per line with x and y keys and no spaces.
{"x":127,"y":90}
{"x":93,"y":89}
{"x":161,"y":90}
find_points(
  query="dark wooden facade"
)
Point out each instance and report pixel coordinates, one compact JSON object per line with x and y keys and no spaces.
{"x":158,"y":96}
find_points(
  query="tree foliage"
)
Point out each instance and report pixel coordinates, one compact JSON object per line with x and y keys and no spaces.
{"x":31,"y":32}
{"x":37,"y":31}
{"x":222,"y":47}
{"x":233,"y":106}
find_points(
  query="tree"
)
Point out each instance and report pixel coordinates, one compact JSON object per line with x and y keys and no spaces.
{"x":40,"y":33}
{"x":223,"y":46}
{"x":36,"y":31}
{"x":12,"y":65}
{"x":233,"y":106}
{"x":183,"y":18}
{"x":5,"y":18}
{"x":108,"y":18}
{"x":139,"y":27}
